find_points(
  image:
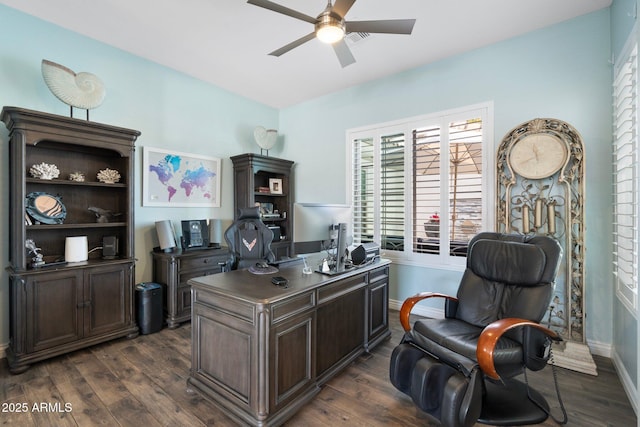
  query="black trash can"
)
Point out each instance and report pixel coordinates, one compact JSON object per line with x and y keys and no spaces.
{"x":149,"y":307}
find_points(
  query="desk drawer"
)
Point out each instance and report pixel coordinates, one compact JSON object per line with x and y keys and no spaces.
{"x":185,"y":276}
{"x":196,"y":263}
{"x":292,"y":306}
{"x":379,"y":274}
{"x":341,"y":287}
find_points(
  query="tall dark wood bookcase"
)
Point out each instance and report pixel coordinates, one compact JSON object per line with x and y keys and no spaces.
{"x":251,"y":174}
{"x":57,"y":308}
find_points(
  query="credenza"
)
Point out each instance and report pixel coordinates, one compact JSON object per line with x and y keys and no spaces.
{"x":173,"y":270}
{"x":261,"y":351}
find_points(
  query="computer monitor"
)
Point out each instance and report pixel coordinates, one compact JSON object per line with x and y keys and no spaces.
{"x":314,"y":223}
{"x":341,"y":247}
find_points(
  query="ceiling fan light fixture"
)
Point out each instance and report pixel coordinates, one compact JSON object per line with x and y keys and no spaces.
{"x":330,"y":28}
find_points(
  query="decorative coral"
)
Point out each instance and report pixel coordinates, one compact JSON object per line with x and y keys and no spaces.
{"x":108,"y":176}
{"x":44,"y":171}
{"x":76,"y":176}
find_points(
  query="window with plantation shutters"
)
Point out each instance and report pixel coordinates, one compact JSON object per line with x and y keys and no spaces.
{"x":362,"y":179}
{"x":625,"y":178}
{"x":420,"y":187}
{"x":426,"y":189}
{"x":392,"y":200}
{"x":461,"y":141}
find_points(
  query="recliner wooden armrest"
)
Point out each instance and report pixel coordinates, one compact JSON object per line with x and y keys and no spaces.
{"x":408,"y":304}
{"x":492,"y":333}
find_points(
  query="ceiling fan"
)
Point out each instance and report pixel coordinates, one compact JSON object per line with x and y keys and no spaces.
{"x":331,"y":27}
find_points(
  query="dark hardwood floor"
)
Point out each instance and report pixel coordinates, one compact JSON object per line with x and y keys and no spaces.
{"x":142,"y":382}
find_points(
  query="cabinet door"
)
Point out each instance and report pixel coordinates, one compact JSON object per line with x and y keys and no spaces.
{"x":340,"y":323}
{"x":183,"y":301}
{"x":108,"y":299}
{"x":291,"y":359}
{"x":378,"y":305}
{"x":52,"y":311}
{"x":183,"y":292}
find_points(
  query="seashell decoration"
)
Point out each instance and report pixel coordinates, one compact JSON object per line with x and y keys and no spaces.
{"x":81,"y":90}
{"x":76,"y":176}
{"x":108,"y":176}
{"x":44,"y":171}
{"x":265,"y":138}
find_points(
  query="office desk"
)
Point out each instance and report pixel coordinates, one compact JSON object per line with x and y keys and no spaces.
{"x":261,"y":351}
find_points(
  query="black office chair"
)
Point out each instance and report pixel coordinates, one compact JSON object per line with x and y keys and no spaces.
{"x":249,"y":240}
{"x":460,"y":369}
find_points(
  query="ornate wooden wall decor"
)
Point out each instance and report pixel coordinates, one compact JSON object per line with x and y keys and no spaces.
{"x":540,"y":190}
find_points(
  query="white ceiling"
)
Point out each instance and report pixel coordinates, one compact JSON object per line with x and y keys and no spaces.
{"x":226,"y":42}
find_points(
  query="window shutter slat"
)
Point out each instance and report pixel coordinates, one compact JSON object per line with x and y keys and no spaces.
{"x":625,"y":182}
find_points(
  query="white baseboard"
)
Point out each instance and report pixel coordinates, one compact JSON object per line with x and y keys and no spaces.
{"x":600,"y":349}
{"x":627,"y":382}
{"x":434,"y":313}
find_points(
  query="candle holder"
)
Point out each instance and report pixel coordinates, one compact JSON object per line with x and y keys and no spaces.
{"x":534,"y":209}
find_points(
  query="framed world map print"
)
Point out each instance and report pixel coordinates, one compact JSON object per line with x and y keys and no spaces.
{"x":175,"y":179}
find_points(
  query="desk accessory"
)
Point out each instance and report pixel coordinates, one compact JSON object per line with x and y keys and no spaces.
{"x":262,"y":268}
{"x":306,"y":269}
{"x":279,"y":281}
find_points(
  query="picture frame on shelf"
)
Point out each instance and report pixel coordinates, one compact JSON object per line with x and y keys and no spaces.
{"x":275,"y":185}
{"x":266,"y":208}
{"x":176,"y":179}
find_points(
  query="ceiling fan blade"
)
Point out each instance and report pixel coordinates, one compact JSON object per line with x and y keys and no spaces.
{"x":344,"y":53}
{"x":294,"y":44}
{"x":283,"y":10}
{"x":391,"y":26}
{"x":341,"y":7}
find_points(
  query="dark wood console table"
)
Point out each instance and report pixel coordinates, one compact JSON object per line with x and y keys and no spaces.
{"x":173,"y":270}
{"x":261,"y":351}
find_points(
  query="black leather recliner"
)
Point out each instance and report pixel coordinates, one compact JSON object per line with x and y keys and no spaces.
{"x":249,"y":240}
{"x":460,"y":369}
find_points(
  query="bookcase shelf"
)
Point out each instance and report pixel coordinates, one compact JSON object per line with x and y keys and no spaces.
{"x":81,"y":226}
{"x":65,"y":307}
{"x":254,"y":170}
{"x":54,"y":182}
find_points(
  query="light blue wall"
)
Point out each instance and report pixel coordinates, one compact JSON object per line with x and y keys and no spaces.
{"x":171,"y":110}
{"x":623,"y":18}
{"x":561,"y":72}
